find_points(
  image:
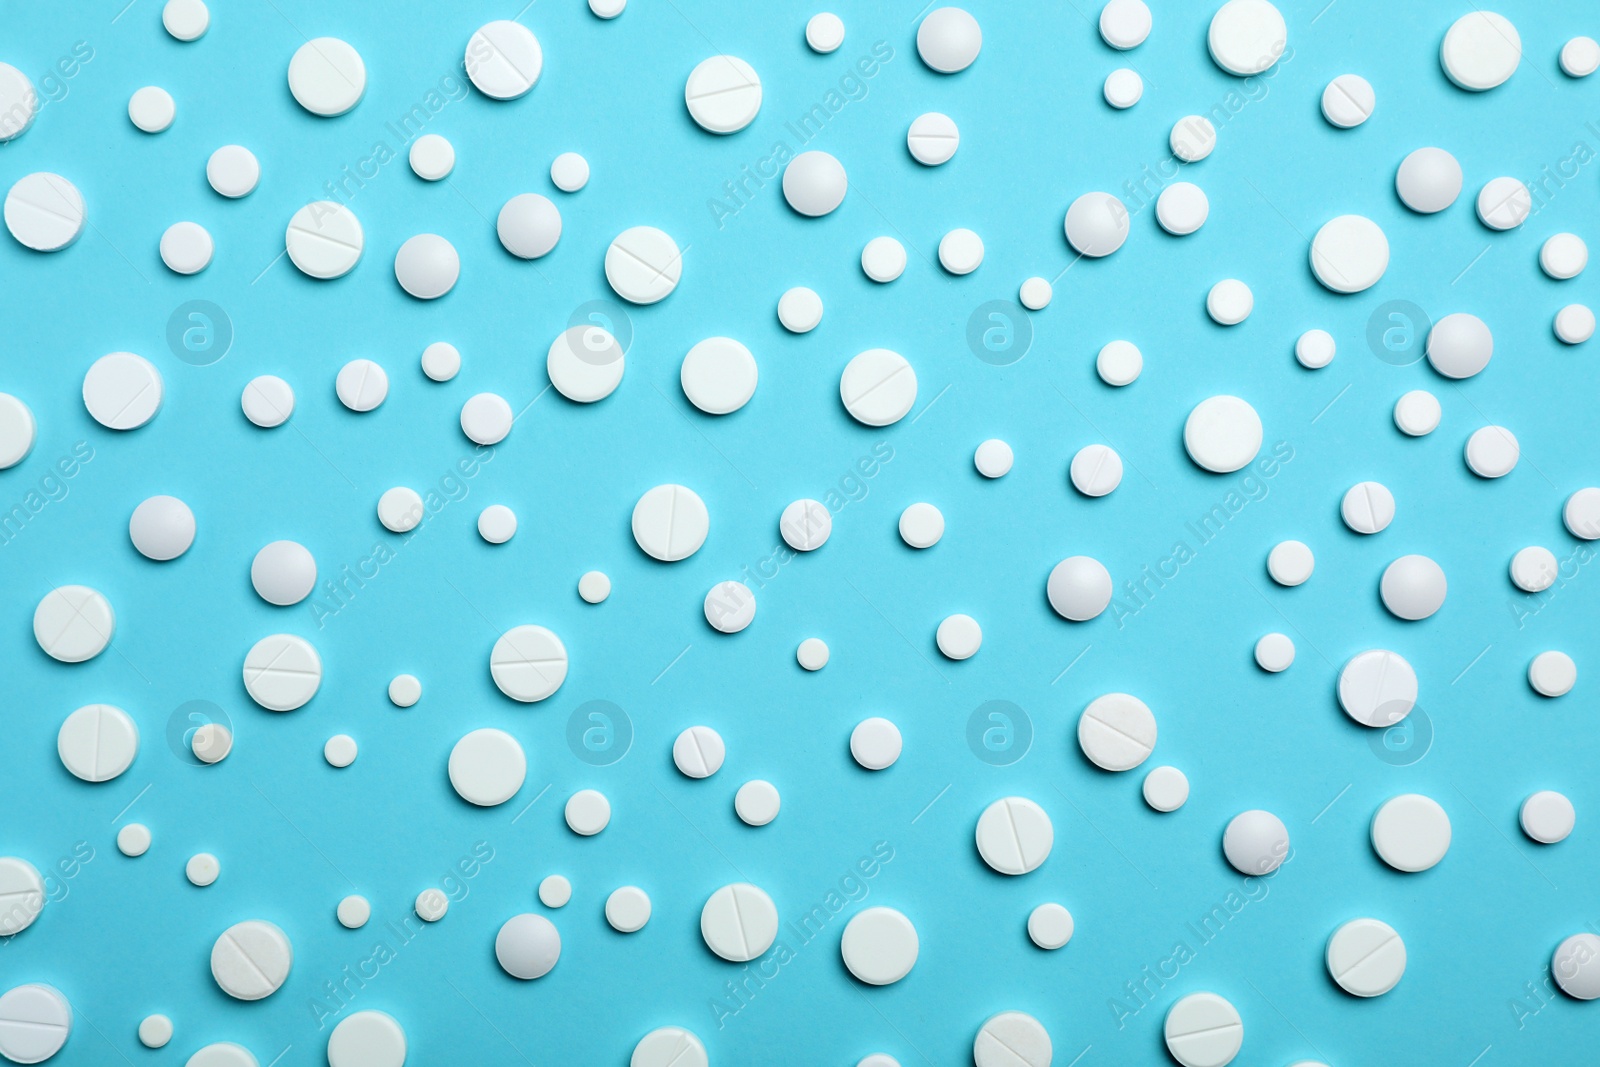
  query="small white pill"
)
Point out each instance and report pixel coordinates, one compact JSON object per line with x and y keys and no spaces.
{"x":1117,"y":732}
{"x":327,"y":76}
{"x":353,"y":912}
{"x":607,"y":9}
{"x":497,"y":524}
{"x":1256,"y":842}
{"x":698,"y":752}
{"x":1247,"y":36}
{"x":1182,"y":208}
{"x":555,"y":891}
{"x":486,"y":418}
{"x":960,"y":251}
{"x":879,"y":946}
{"x":1582,"y":514}
{"x":1012,"y":1039}
{"x":1481,"y":50}
{"x":1079,"y":588}
{"x":432,"y":157}
{"x":35,"y":1022}
{"x":1411,"y":832}
{"x":1290,"y":563}
{"x":400,"y":509}
{"x":875,"y":744}
{"x":161,"y":528}
{"x":1580,"y":57}
{"x":643,"y":265}
{"x":1050,"y":926}
{"x":824,"y":33}
{"x":878,"y":387}
{"x":97,"y":742}
{"x":1097,"y":224}
{"x":756,"y":803}
{"x":431,"y":905}
{"x":251,"y":960}
{"x":739,"y":922}
{"x":186,"y":248}
{"x":1367,"y":508}
{"x":1552,"y":674}
{"x":1366,"y":957}
{"x":427,"y":266}
{"x":282,"y":672}
{"x":993,"y":458}
{"x":1377,"y":688}
{"x":23,"y":890}
{"x":18,"y":430}
{"x":723,"y":94}
{"x":719,"y":375}
{"x":133,"y":840}
{"x":814,"y":183}
{"x":670,"y":523}
{"x":805,"y":525}
{"x":959,"y":637}
{"x":1574,"y":324}
{"x":1125,"y":24}
{"x":1035,"y":294}
{"x":487,"y":767}
{"x":404,"y":690}
{"x":186,"y":20}
{"x":921,"y":525}
{"x":1166,"y":789}
{"x":1014,"y":835}
{"x":233,"y":171}
{"x":1349,"y":254}
{"x":588,"y":812}
{"x":203,"y":869}
{"x":527,"y":947}
{"x":1275,"y":653}
{"x":529,"y":225}
{"x":1096,"y":470}
{"x":1564,"y":256}
{"x":812,"y":654}
{"x":1315,"y":349}
{"x":594,"y":586}
{"x":44,"y":211}
{"x":1413,"y":588}
{"x":569,"y":172}
{"x":1576,"y":966}
{"x":361,"y":385}
{"x":1417,"y":413}
{"x":670,"y":1046}
{"x":73,"y":623}
{"x":283,"y":573}
{"x":1534,"y":569}
{"x":1429,"y":180}
{"x":1460,"y":345}
{"x":949,"y":40}
{"x":155,"y":1031}
{"x":1230,"y":302}
{"x":211,"y":742}
{"x":730,"y":607}
{"x":800,"y":309}
{"x":1203,"y":1030}
{"x":1222,"y":434}
{"x":628,"y":909}
{"x":503,"y":59}
{"x":1119,"y":363}
{"x":1504,"y":204}
{"x":1193,"y":138}
{"x":367,"y":1039}
{"x":1348,"y":101}
{"x":340,"y":750}
{"x":933,"y":138}
{"x":324,"y":240}
{"x":122,"y":391}
{"x":1547,"y":817}
{"x":528,"y":663}
{"x":150,"y":109}
{"x":1492,"y":452}
{"x":883,"y":259}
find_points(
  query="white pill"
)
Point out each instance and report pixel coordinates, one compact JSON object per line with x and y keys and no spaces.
{"x":878,"y":387}
{"x":730,"y":607}
{"x":1411,"y":832}
{"x":1480,"y":51}
{"x":628,"y":909}
{"x":1429,"y":180}
{"x":528,"y":663}
{"x":555,"y":891}
{"x":186,"y":248}
{"x":1119,"y":363}
{"x":1256,"y":842}
{"x":529,"y":225}
{"x":1012,"y":1039}
{"x":161,"y":528}
{"x":670,"y":523}
{"x":1096,"y":470}
{"x":97,"y":742}
{"x":1367,"y":508}
{"x":960,"y":251}
{"x":1097,"y":224}
{"x":698,"y":752}
{"x":1492,"y":452}
{"x":431,"y":905}
{"x":186,"y":20}
{"x":1222,"y":434}
{"x":35,"y":1021}
{"x":503,"y":59}
{"x":739,"y":922}
{"x":368,"y":1039}
{"x":1035,"y":294}
{"x":21,"y":893}
{"x":73,"y":623}
{"x":526,"y":947}
{"x":723,"y":94}
{"x":18,"y":431}
{"x":441,"y":361}
{"x":432,"y":157}
{"x":993,"y":458}
{"x":719,"y":375}
{"x":283,"y":573}
{"x":202,"y":869}
{"x":44,"y":211}
{"x":497,"y":524}
{"x":427,"y":266}
{"x":1552,"y":674}
{"x":1576,"y":966}
{"x":1247,"y":36}
{"x":1377,"y":688}
{"x":669,"y":1046}
{"x":223,"y":1054}
{"x":824,"y":32}
{"x":594,"y":586}
{"x":875,"y":744}
{"x":933,"y":138}
{"x":233,"y":171}
{"x":1580,"y":57}
{"x":251,"y":959}
{"x":878,"y":1059}
{"x":959,"y":637}
{"x":1504,"y":204}
{"x":1547,"y":817}
{"x":1182,"y":208}
{"x":1050,"y":926}
{"x":400,"y":509}
{"x":340,"y":750}
{"x":361,"y":385}
{"x":800,"y":309}
{"x":1348,"y":101}
{"x":1203,"y":1029}
{"x":1192,"y":139}
{"x":921,"y":525}
{"x":1166,"y":789}
{"x":812,"y":653}
{"x":805,"y":525}
{"x":1014,"y":835}
{"x":486,"y":418}
{"x":1564,"y":256}
{"x":814,"y":183}
{"x":948,"y":40}
{"x":155,"y":1031}
{"x":327,"y":76}
{"x":1230,"y":302}
{"x":1413,"y":588}
{"x":1417,"y":413}
{"x":324,"y":240}
{"x":150,"y":109}
{"x":1079,"y":588}
{"x":643,"y":265}
{"x":353,"y":912}
{"x":1349,"y":254}
{"x":122,"y":391}
{"x":588,"y":812}
{"x":1290,"y":563}
{"x":404,"y":690}
{"x":211,"y":742}
{"x":883,"y":259}
{"x":607,"y":9}
{"x":756,"y":803}
{"x":1575,"y":324}
{"x":1123,"y":88}
{"x":19,"y":102}
{"x":487,"y":767}
{"x":133,"y":840}
{"x":585,"y":363}
{"x":1582,"y":514}
{"x":1366,"y":957}
{"x":1534,"y":569}
{"x":1275,"y":653}
{"x":1125,"y":24}
{"x":1117,"y":732}
{"x":569,"y":172}
{"x":879,"y":946}
{"x":1315,"y":349}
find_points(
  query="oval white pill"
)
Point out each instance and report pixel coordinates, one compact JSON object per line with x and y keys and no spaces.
{"x":35,"y":1022}
{"x":1580,"y":57}
{"x":1576,"y":966}
{"x":670,"y":1046}
{"x":739,"y":922}
{"x":921,"y":525}
{"x":282,"y":672}
{"x":432,"y":157}
{"x":1564,"y":256}
{"x":883,"y":259}
{"x":1377,"y":688}
{"x":1014,"y":835}
{"x":324,"y":240}
{"x":1552,"y":674}
{"x":1255,"y":842}
{"x":73,"y":623}
{"x":1481,"y":50}
{"x":44,"y":211}
{"x":1581,"y":515}
{"x":1366,"y":957}
{"x":555,"y":891}
{"x":1166,"y":789}
{"x":1035,"y":294}
{"x":97,"y":742}
{"x":150,"y":109}
{"x":527,"y":946}
{"x":585,"y":363}
{"x":812,"y":654}
{"x":497,"y":524}
{"x":1547,"y":817}
{"x":1275,"y":653}
{"x":1348,"y":101}
{"x":719,"y":375}
{"x":1096,"y":470}
{"x":878,"y":387}
{"x":1411,"y":832}
{"x":628,"y":909}
{"x":367,"y":1039}
{"x":1125,"y":24}
{"x":1079,"y":588}
{"x":427,"y":266}
{"x":161,"y":528}
{"x":1290,"y":563}
{"x":879,"y":946}
{"x":1050,"y":926}
{"x":1222,"y":434}
{"x":122,"y":391}
{"x":486,"y":418}
{"x":529,"y":225}
{"x":327,"y":76}
{"x":800,"y":309}
{"x":960,"y":251}
{"x":1230,"y":302}
{"x":155,"y":1031}
{"x":569,"y":172}
{"x":1413,"y":588}
{"x":723,"y":94}
{"x":757,"y":803}
{"x":251,"y":959}
{"x":1575,"y":324}
{"x":875,"y":744}
{"x":1367,"y":508}
{"x":353,"y":912}
{"x":993,"y":458}
{"x":825,"y":32}
{"x":133,"y":840}
{"x":503,"y":59}
{"x":1417,"y":413}
{"x":933,"y":138}
{"x":528,"y":663}
{"x":1117,"y":732}
{"x":1429,"y":180}
{"x":670,"y":523}
{"x":1203,"y":1030}
{"x":643,"y":265}
{"x":487,"y":767}
{"x":1349,"y":254}
{"x":283,"y":573}
{"x":1492,"y":452}
{"x":730,"y":607}
{"x":698,"y":752}
{"x":1247,"y":36}
{"x":1534,"y":569}
{"x":186,"y":20}
{"x":948,"y":40}
{"x":1097,"y":224}
{"x":1119,"y":363}
{"x":814,"y":183}
{"x":805,"y":525}
{"x":1182,"y":208}
{"x":400,"y":509}
{"x":1012,"y":1039}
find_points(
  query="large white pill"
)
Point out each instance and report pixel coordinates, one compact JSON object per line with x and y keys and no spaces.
{"x":1580,"y":57}
{"x":879,"y":946}
{"x":1534,"y":569}
{"x":1123,"y":88}
{"x":1552,"y":674}
{"x":486,"y":418}
{"x":1012,"y":1039}
{"x":1014,"y":835}
{"x":35,"y":1021}
{"x":643,"y":265}
{"x":730,"y":607}
{"x":487,"y":767}
{"x":1576,"y":966}
{"x":569,"y":172}
{"x":698,"y":752}
{"x":1492,"y":452}
{"x":1367,"y":508}
{"x":757,"y":802}
{"x":186,"y":248}
{"x":1429,"y":180}
{"x":150,"y":109}
{"x":1413,"y":587}
{"x":44,"y":211}
{"x":427,"y":266}
{"x":1203,"y":1030}
{"x":814,"y":183}
{"x":251,"y":959}
{"x":739,"y":922}
{"x":875,"y":744}
{"x":723,"y":94}
{"x":805,"y":525}
{"x":186,"y":20}
{"x":933,"y":138}
{"x":585,"y":363}
{"x":161,"y":528}
{"x":282,"y":672}
{"x":719,"y":375}
{"x":155,"y":1031}
{"x":1417,"y":413}
{"x":800,"y":308}
{"x":1222,"y":434}
{"x":529,"y":225}
{"x":19,"y":102}
{"x":73,"y":623}
{"x":670,"y":1046}
{"x":122,"y":391}
{"x":21,"y":895}
{"x":432,"y":157}
{"x":98,"y":742}
{"x":878,"y":387}
{"x":1581,"y":515}
{"x":233,"y":171}
{"x":948,"y":40}
{"x":670,"y":523}
{"x":1275,"y":653}
{"x":1349,"y":254}
{"x":283,"y":573}
{"x":1255,"y":842}
{"x":1348,"y":101}
{"x":1096,"y":470}
{"x":1480,"y":51}
{"x":1290,"y":563}
{"x":1125,"y":24}
{"x":400,"y":509}
{"x":17,"y":431}
{"x":1411,"y":832}
{"x":1366,"y":957}
{"x":327,"y":76}
{"x":1079,"y":588}
{"x":528,"y":663}
{"x":993,"y":458}
{"x":1117,"y":732}
{"x":959,"y":637}
{"x":1247,"y":36}
{"x":1050,"y":926}
{"x":527,"y":946}
{"x":1564,"y":256}
{"x":883,"y":259}
{"x":1575,"y":324}
{"x":1182,"y":208}
{"x":1097,"y":224}
{"x":1230,"y":302}
{"x":324,"y":240}
{"x":1119,"y":363}
{"x":628,"y":909}
{"x":1504,"y":204}
{"x":1547,"y":817}
{"x":1377,"y":688}
{"x":1166,"y":789}
{"x":503,"y":59}
{"x":921,"y":525}
{"x":367,"y":1039}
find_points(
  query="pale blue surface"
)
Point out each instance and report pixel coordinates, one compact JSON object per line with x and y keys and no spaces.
{"x":129,"y":937}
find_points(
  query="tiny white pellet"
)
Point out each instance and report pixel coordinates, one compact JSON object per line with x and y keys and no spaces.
{"x":487,"y":767}
{"x":669,"y":1046}
{"x":1119,"y":363}
{"x":1534,"y":569}
{"x":1581,"y":515}
{"x":812,"y":654}
{"x":1166,"y":789}
{"x":43,"y":211}
{"x":73,"y":623}
{"x":1050,"y":926}
{"x":739,"y":922}
{"x":569,"y":172}
{"x":1035,"y":294}
{"x":432,"y":157}
{"x":1182,"y":208}
{"x":628,"y":909}
{"x":353,"y":912}
{"x":1492,"y":452}
{"x":878,"y":387}
{"x":1222,"y":434}
{"x":19,"y":102}
{"x":1367,"y":508}
{"x":529,"y":225}
{"x":340,"y":750}
{"x":1576,"y":966}
{"x":730,"y":607}
{"x":959,"y":637}
{"x":1125,"y":24}
{"x":1230,"y":302}
{"x":921,"y":525}
{"x":718,"y":375}
{"x":1097,"y":224}
{"x":186,"y":248}
{"x":1012,"y":1039}
{"x":588,"y":812}
{"x":1275,"y":653}
{"x":1580,"y":57}
{"x":161,"y":528}
{"x":367,"y":1039}
{"x":202,"y":870}
{"x":133,"y":840}
{"x":283,"y":573}
{"x":1079,"y":588}
{"x":800,"y":309}
{"x":1255,"y":843}
{"x":607,"y":9}
{"x":1418,"y":413}
{"x":155,"y":1031}
{"x":1193,"y":138}
{"x":1564,"y":256}
{"x":527,"y":947}
{"x":555,"y":891}
{"x":1552,"y":674}
{"x":883,"y":259}
{"x":400,"y":509}
{"x":404,"y":690}
{"x":1575,"y":324}
{"x":233,"y":171}
{"x":497,"y":524}
{"x":1411,"y":833}
{"x":211,"y":743}
{"x":643,"y":264}
{"x":503,"y":59}
{"x":825,"y":32}
{"x":486,"y":418}
{"x":427,"y":266}
{"x":18,"y":431}
{"x":993,"y":458}
{"x":431,"y":905}
{"x":1547,"y":817}
{"x":594,"y":586}
{"x":528,"y":663}
{"x":1315,"y":349}
{"x":1290,"y":563}
{"x":1377,"y":688}
{"x":186,"y":20}
{"x":324,"y":240}
{"x":1349,"y":254}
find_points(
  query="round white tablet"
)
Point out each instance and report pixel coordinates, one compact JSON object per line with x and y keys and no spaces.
{"x":529,"y":225}
{"x":324,"y":240}
{"x":368,"y":1039}
{"x":670,"y":523}
{"x":948,"y":40}
{"x":1166,"y":789}
{"x":1315,"y":349}
{"x":1366,"y":957}
{"x":628,"y":909}
{"x":1377,"y":688}
{"x":1429,"y":180}
{"x":1079,"y":588}
{"x":283,"y":573}
{"x":800,"y":309}
{"x":959,"y":637}
{"x":879,"y":946}
{"x":186,"y":248}
{"x":487,"y":767}
{"x":1097,"y":224}
{"x":883,"y":259}
{"x":1182,"y":208}
{"x":1275,"y":653}
{"x":1222,"y":434}
{"x":723,"y":94}
{"x":327,"y":76}
{"x":44,"y":211}
{"x":719,"y":375}
{"x":186,"y":20}
{"x":585,"y":363}
{"x":404,"y":690}
{"x":1256,"y":842}
{"x":1417,"y":413}
{"x":1575,"y":324}
{"x":730,"y":607}
{"x":161,"y":528}
{"x":824,"y":32}
{"x":1411,"y":832}
{"x":211,"y":742}
{"x":1480,"y":51}
{"x":875,"y":744}
{"x":812,"y":654}
{"x":497,"y":524}
{"x":1348,"y":101}
{"x":1581,"y":515}
{"x":22,"y":889}
{"x":1096,"y":470}
{"x":155,"y":1031}
{"x":921,"y":525}
{"x":427,"y":266}
{"x":1012,"y":1039}
{"x":1552,"y":674}
{"x":805,"y":525}
{"x":17,"y":431}
{"x":670,"y":1046}
{"x":1290,"y":563}
{"x":1547,"y":817}
{"x":1492,"y":452}
{"x":73,"y":623}
{"x":97,"y":742}
{"x":528,"y":663}
{"x":233,"y":171}
{"x":251,"y":959}
{"x":122,"y":391}
{"x":150,"y":109}
{"x":526,"y":947}
{"x":431,"y":905}
{"x":1203,"y":1029}
{"x":432,"y":157}
{"x":933,"y":138}
{"x":1125,"y":24}
{"x":1349,"y":254}
{"x":814,"y":183}
{"x":282,"y":672}
{"x":1119,"y":363}
{"x":353,"y":912}
{"x":594,"y":586}
{"x":1050,"y":926}
{"x":486,"y":418}
{"x":361,"y":385}
{"x":400,"y":509}
{"x":340,"y":750}
{"x":1367,"y":508}
{"x":1014,"y":835}
{"x":1192,"y":139}
{"x":1504,"y":204}
{"x":35,"y":1021}
{"x":503,"y":59}
{"x":1576,"y":966}
{"x":1123,"y":88}
{"x":569,"y":172}
{"x":203,"y":869}
{"x":1534,"y":569}
{"x":1564,"y":256}
{"x":739,"y":922}
{"x":1035,"y":294}
{"x":555,"y":891}
{"x":607,"y":9}
{"x":1117,"y":732}
{"x":878,"y":387}
{"x":643,"y":265}
{"x":1580,"y":57}
{"x":1413,"y":588}
{"x":1230,"y":302}
{"x":960,"y":251}
{"x":756,"y":803}
{"x":19,"y":102}
{"x":1247,"y":36}
{"x":698,"y":752}
{"x":588,"y":812}
{"x":133,"y":840}
{"x":993,"y":458}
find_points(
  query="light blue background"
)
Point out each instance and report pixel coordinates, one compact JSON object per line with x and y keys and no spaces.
{"x":128,"y":937}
